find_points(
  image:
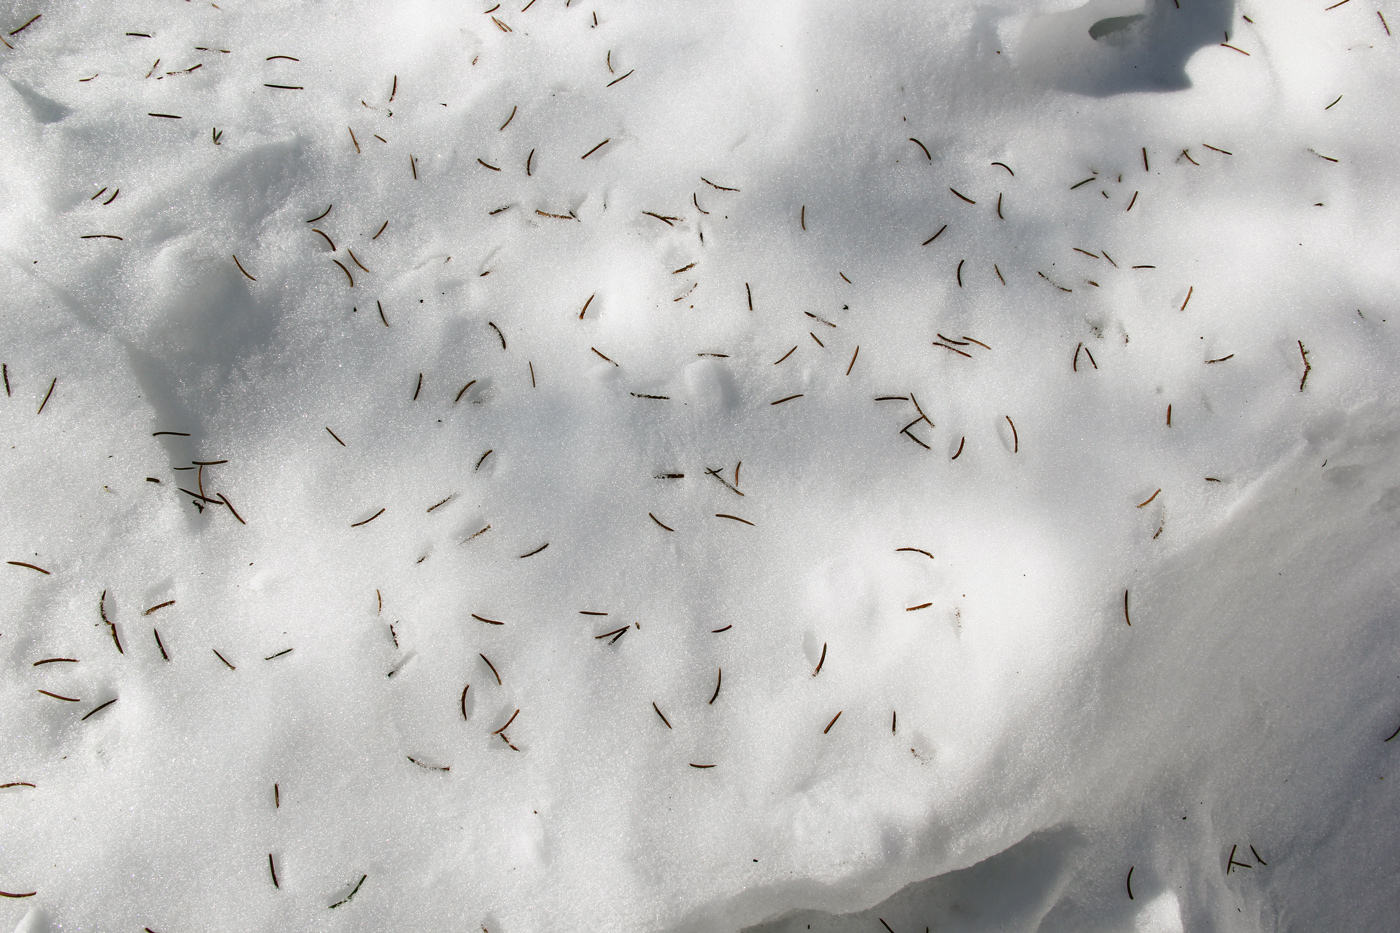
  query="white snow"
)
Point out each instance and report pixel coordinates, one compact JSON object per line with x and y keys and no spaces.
{"x":1103,"y":641}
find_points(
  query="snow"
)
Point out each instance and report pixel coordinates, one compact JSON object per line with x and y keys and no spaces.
{"x":1102,"y":640}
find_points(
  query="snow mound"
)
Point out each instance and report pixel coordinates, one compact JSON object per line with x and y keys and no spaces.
{"x":599,"y":467}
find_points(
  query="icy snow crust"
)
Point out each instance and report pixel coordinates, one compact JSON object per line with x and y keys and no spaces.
{"x":1141,"y":222}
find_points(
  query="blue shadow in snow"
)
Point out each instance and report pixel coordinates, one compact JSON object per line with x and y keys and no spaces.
{"x":1108,"y":47}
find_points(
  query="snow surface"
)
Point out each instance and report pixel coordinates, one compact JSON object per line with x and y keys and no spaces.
{"x":1109,"y":627}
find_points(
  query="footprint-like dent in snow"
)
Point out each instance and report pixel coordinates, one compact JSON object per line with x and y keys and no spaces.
{"x":710,"y":387}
